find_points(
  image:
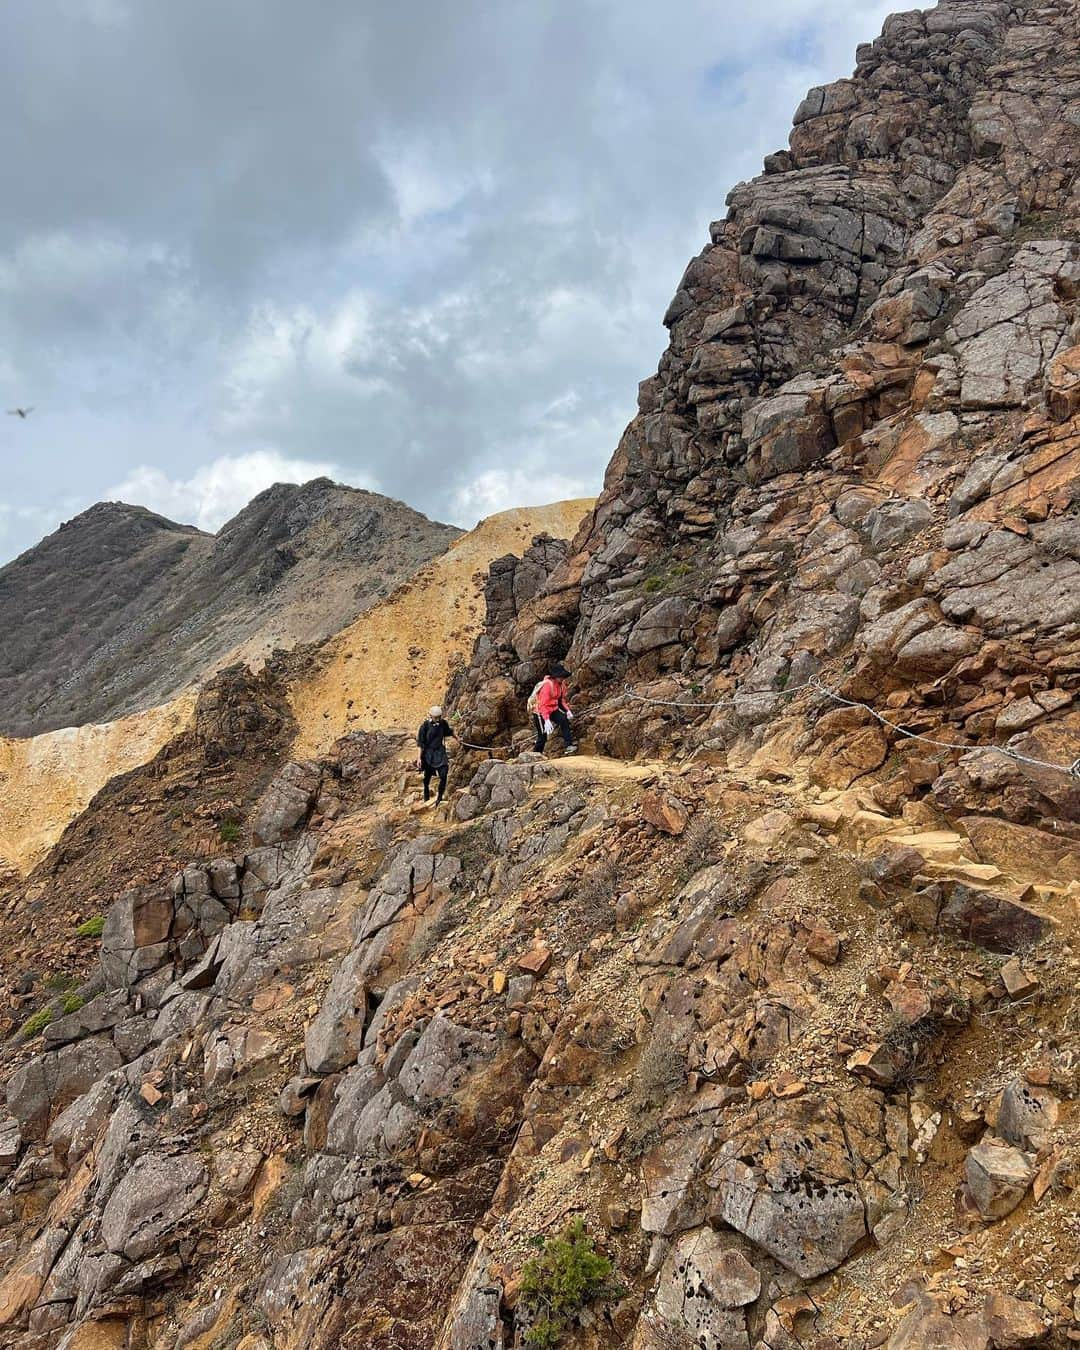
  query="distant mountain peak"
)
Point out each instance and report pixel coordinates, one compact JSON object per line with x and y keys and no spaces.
{"x":111,"y":512}
{"x":121,"y":607}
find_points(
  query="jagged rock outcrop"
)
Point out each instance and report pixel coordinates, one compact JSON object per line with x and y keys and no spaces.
{"x":859,"y":457}
{"x":498,"y":667}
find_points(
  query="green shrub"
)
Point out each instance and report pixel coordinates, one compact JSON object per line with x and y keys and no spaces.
{"x":36,"y":1023}
{"x":654,"y":584}
{"x":71,"y":1003}
{"x":59,"y":984}
{"x":567,"y":1275}
{"x":229,"y":831}
{"x":92,"y":928}
{"x":545,"y":1335}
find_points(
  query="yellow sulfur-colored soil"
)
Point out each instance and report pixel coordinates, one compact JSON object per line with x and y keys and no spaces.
{"x":391,"y":665}
{"x":47,"y":780}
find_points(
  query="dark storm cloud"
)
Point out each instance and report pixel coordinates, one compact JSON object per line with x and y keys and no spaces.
{"x":423,"y":247}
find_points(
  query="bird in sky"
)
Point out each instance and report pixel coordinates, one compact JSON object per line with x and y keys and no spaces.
{"x":24,"y":413}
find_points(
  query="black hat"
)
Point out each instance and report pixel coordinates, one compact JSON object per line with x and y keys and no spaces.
{"x":559,"y":672}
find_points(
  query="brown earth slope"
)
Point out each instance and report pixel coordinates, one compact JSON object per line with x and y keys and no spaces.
{"x":47,"y":780}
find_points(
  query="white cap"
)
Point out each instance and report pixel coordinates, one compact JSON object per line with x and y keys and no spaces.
{"x":436,"y":711}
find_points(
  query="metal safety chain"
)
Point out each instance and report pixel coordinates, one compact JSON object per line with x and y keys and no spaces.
{"x":1071,"y":770}
{"x":739,"y":700}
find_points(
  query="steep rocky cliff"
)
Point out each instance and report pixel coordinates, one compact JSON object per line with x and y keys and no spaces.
{"x":780,"y":1005}
{"x":859,"y":457}
{"x":385,"y":669}
{"x":120,"y":609}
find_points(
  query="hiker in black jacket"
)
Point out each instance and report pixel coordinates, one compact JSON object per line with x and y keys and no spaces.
{"x":433,"y":758}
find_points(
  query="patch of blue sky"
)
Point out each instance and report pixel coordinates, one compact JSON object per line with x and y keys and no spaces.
{"x":722,"y":76}
{"x":802,"y":47}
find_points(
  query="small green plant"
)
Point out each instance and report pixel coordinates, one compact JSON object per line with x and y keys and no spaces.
{"x":681,"y":570}
{"x":36,"y":1023}
{"x":567,"y":1275}
{"x":545,"y":1335}
{"x":92,"y":928}
{"x":229,"y":831}
{"x":654,"y":584}
{"x":58,"y":984}
{"x":71,"y":1003}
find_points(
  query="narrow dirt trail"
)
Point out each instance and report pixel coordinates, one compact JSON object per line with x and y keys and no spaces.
{"x":600,"y":766}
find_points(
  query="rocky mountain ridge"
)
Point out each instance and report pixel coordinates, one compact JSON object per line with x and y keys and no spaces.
{"x":381,"y":670}
{"x":121,"y":609}
{"x":779,"y":1003}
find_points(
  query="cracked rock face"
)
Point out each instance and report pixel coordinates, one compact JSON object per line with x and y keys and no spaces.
{"x":1014,"y":326}
{"x":702,"y":1291}
{"x":333,"y":1039}
{"x":880,"y":334}
{"x":153,"y":1198}
{"x":807,"y":1180}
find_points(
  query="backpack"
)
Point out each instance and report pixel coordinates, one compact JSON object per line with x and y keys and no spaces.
{"x":530,"y":706}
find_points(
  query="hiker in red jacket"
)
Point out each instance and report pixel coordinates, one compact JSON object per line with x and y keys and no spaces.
{"x":553,"y":710}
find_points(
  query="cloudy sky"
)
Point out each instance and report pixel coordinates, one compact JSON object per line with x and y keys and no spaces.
{"x":422,"y":248}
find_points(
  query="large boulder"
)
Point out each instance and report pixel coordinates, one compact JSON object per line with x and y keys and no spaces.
{"x":444,"y":1056}
{"x":806,"y":1179}
{"x":1008,"y":582}
{"x":997,"y":1177}
{"x":48,"y":1083}
{"x":1026,"y":1114}
{"x":333,"y":1039}
{"x":474,"y":1321}
{"x":76,"y":1128}
{"x":659,"y":626}
{"x":789,"y":430}
{"x":704,"y":1287}
{"x":135,"y":939}
{"x":150,"y":1202}
{"x":287,"y":802}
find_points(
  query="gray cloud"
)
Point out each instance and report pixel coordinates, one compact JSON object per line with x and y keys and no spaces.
{"x":428,"y":246}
